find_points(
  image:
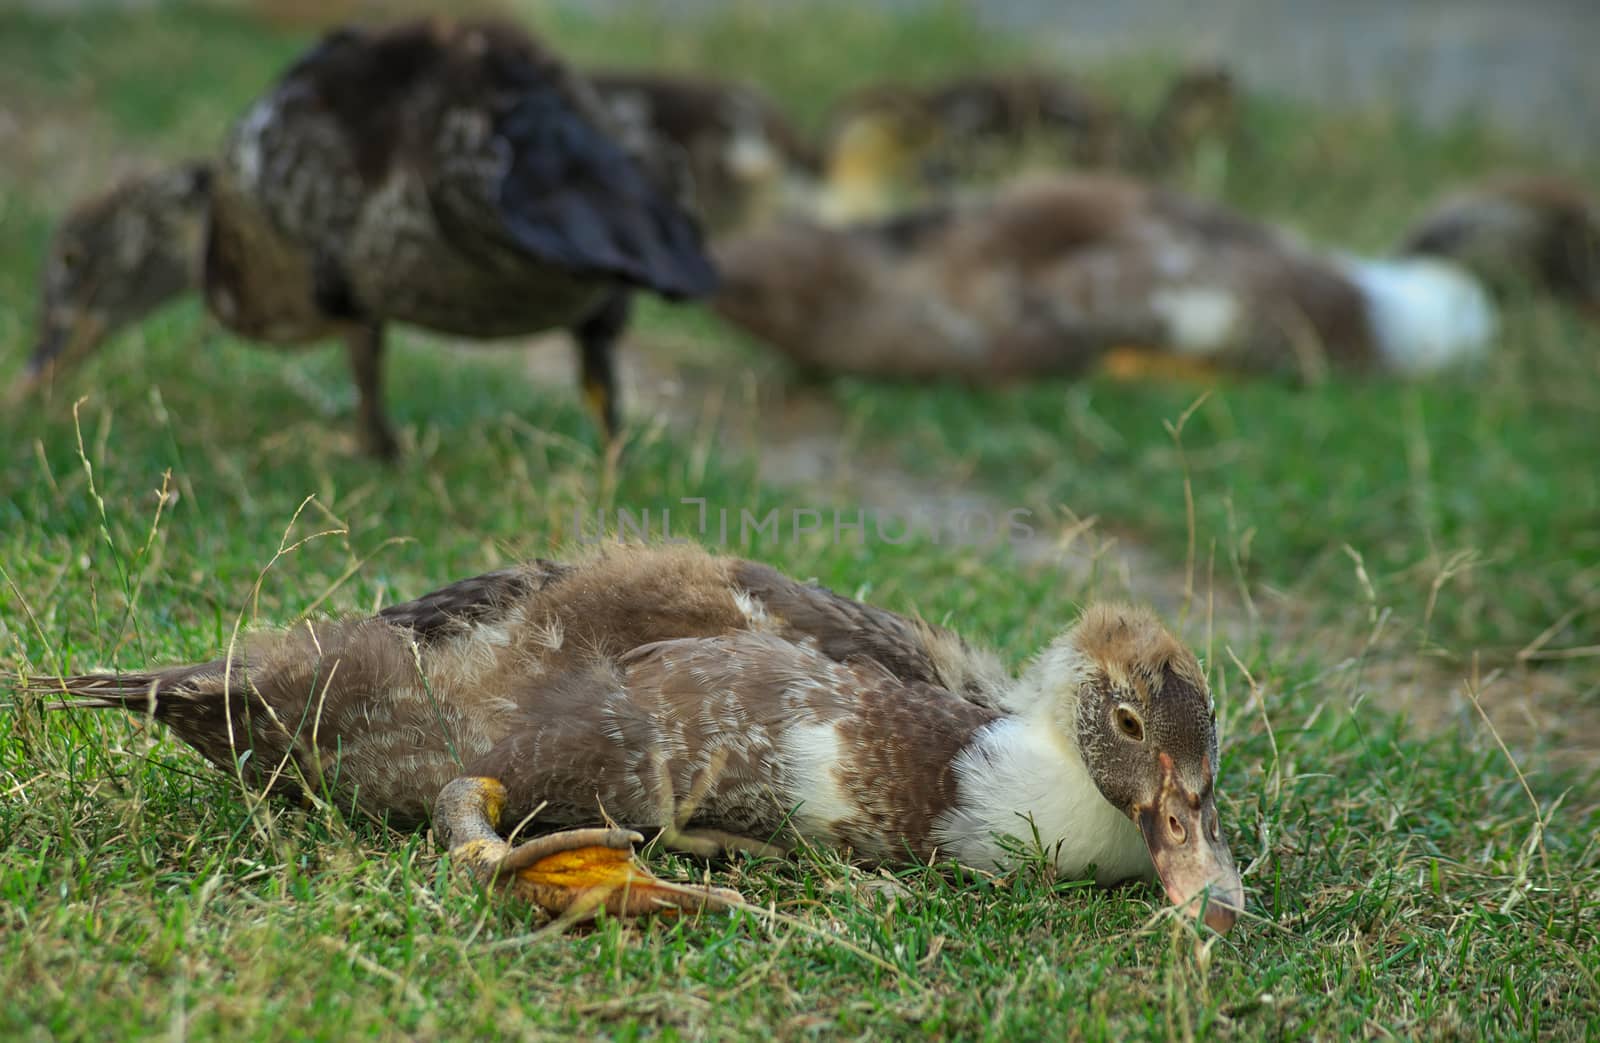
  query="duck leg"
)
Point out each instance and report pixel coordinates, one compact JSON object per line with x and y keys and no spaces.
{"x":676,"y":813}
{"x":714,"y":843}
{"x":365,"y":345}
{"x":573,"y":874}
{"x":597,"y":342}
{"x":1142,"y":365}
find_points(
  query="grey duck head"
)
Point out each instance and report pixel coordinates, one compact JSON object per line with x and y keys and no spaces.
{"x":114,"y":259}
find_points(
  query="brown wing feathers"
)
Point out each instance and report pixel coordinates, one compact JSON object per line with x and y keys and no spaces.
{"x":844,"y":629}
{"x":862,"y":755}
{"x":498,"y":670}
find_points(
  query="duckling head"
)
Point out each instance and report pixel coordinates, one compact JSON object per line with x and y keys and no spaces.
{"x":874,"y":155}
{"x":1200,"y":105}
{"x":114,"y":259}
{"x":1135,"y":704}
{"x":1533,"y":230}
{"x":783,"y":283}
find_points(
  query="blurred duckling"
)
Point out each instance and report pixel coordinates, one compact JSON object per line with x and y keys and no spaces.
{"x":888,"y":139}
{"x":452,"y":175}
{"x":1518,"y":231}
{"x":747,"y":159}
{"x":893,"y":142}
{"x":1196,"y":123}
{"x":117,"y":257}
{"x":1059,"y":275}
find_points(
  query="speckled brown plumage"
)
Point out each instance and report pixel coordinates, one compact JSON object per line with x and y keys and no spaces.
{"x":743,"y":735}
{"x":115,"y":258}
{"x":721,"y":706}
{"x":399,"y":721}
{"x":1049,"y":275}
{"x":1042,"y":278}
{"x":844,"y":629}
{"x":444,"y":174}
{"x":457,"y":176}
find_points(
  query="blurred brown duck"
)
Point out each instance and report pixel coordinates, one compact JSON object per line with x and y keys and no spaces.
{"x":1049,"y":276}
{"x":454,"y":176}
{"x":747,"y":159}
{"x":892,"y":142}
{"x":1519,"y":231}
{"x":724,"y":707}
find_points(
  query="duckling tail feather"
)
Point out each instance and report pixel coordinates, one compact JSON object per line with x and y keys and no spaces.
{"x":158,"y":692}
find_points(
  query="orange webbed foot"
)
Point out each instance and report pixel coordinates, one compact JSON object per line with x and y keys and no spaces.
{"x":573,"y":874}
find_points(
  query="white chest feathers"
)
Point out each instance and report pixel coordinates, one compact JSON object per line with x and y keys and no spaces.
{"x":1427,"y":315}
{"x":1021,"y":778}
{"x":1200,"y":320}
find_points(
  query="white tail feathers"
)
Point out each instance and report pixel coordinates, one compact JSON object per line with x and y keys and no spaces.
{"x":1427,"y":314}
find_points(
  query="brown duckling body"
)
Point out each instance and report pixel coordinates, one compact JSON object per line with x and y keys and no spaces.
{"x":454,"y":176}
{"x":723,"y":706}
{"x":1047,"y":276}
{"x":1526,"y":230}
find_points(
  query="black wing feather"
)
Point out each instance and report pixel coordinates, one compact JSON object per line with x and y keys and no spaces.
{"x":574,"y":198}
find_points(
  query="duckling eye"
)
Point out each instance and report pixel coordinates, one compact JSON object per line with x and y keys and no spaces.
{"x":1129,"y":723}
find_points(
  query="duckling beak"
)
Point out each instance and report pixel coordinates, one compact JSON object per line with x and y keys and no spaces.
{"x":1189,"y":852}
{"x":60,"y":343}
{"x":40,"y":363}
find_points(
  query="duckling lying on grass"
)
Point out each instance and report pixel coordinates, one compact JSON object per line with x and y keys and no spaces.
{"x":1051,"y":276}
{"x":724,"y":707}
{"x":458,"y":177}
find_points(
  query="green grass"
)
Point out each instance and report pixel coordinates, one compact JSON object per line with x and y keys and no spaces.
{"x":1403,"y":880}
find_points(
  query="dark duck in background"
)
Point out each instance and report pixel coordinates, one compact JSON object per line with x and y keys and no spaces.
{"x":455,"y":176}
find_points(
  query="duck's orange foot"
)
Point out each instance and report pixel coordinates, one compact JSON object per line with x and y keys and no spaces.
{"x":581,"y":871}
{"x":1129,"y":363}
{"x":573,"y":874}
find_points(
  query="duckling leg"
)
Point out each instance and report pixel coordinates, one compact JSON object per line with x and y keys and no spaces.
{"x":709,"y":843}
{"x":597,"y":341}
{"x":1135,"y":364}
{"x":1053,"y":339}
{"x":572,"y":874}
{"x":365,"y":345}
{"x":675,"y":814}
